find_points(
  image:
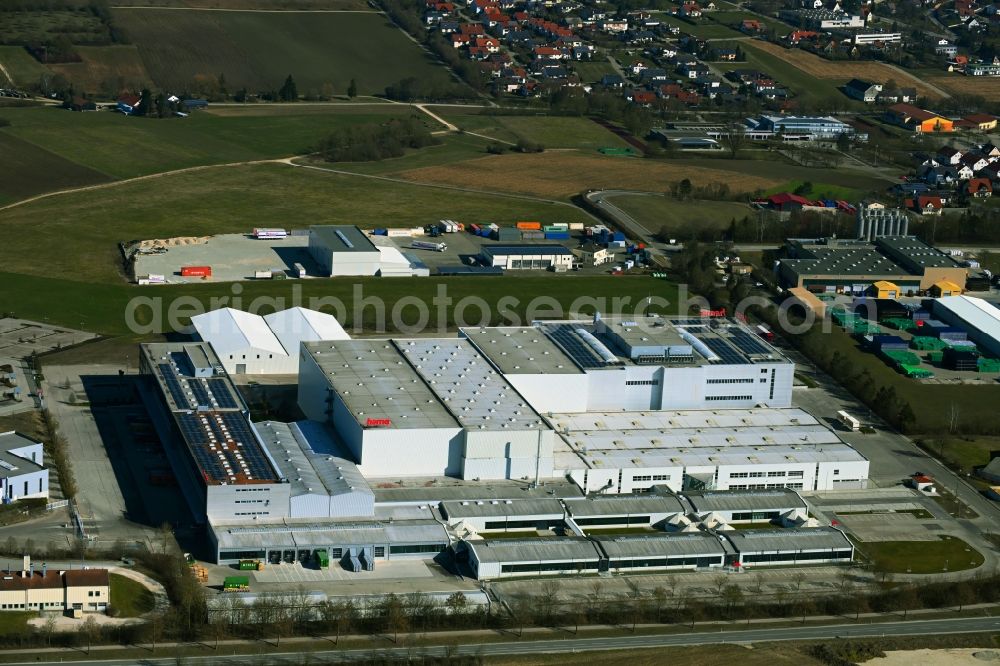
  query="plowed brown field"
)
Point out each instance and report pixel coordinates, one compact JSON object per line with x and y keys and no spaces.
{"x":845,"y":69}
{"x":986,"y":87}
{"x":565,"y":173}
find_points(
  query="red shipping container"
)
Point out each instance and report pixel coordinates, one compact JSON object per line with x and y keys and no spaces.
{"x":196,"y":271}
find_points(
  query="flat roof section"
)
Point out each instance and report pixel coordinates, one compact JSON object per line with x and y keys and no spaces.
{"x":475,"y":393}
{"x":845,"y":261}
{"x":554,"y":549}
{"x":291,"y":533}
{"x":690,"y":418}
{"x":660,"y":545}
{"x":620,"y":505}
{"x":521,"y":350}
{"x":225,"y":448}
{"x":437,"y":490}
{"x":342,"y":238}
{"x":751,"y":500}
{"x":502,"y":508}
{"x":182,"y":391}
{"x":790,"y":539}
{"x":378,"y":386}
{"x":916,"y":252}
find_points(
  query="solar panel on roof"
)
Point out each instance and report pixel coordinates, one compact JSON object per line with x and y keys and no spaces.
{"x":581,"y":352}
{"x":748,"y":343}
{"x":725,"y":351}
{"x":200,"y":391}
{"x":223,"y":396}
{"x":173,"y":385}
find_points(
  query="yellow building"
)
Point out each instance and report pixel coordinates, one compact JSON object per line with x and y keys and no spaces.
{"x":945,"y":288}
{"x":885,"y":289}
{"x":55,"y":590}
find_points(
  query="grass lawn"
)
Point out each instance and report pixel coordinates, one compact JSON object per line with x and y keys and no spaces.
{"x":591,"y":72}
{"x":655,"y":212}
{"x":561,"y":132}
{"x":131,"y":598}
{"x":123,"y":147}
{"x":259,"y":50}
{"x":786,"y":172}
{"x":922,"y":557}
{"x":15,"y":622}
{"x":27,"y":169}
{"x":453,"y":148}
{"x":102,"y":307}
{"x":75,"y":235}
{"x":966,"y":452}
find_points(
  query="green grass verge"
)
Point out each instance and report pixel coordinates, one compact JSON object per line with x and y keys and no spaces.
{"x":561,"y":132}
{"x":102,"y":308}
{"x":591,"y":72}
{"x":964,"y":452}
{"x":922,"y":557}
{"x":74,"y":236}
{"x":129,"y":597}
{"x":124,"y":147}
{"x":734,"y":19}
{"x":259,"y":50}
{"x":15,"y":622}
{"x":703,"y":27}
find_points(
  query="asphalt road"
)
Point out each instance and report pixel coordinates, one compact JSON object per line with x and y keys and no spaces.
{"x":807,"y":633}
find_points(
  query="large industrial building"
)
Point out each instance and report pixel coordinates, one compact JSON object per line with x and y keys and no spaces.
{"x":616,"y":406}
{"x":343,"y":250}
{"x":852,"y":267}
{"x":249,"y":344}
{"x":979,"y":318}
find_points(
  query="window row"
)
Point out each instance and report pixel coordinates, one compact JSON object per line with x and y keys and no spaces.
{"x":642,"y":382}
{"x":741,"y":380}
{"x":718,"y":398}
{"x":652,"y":477}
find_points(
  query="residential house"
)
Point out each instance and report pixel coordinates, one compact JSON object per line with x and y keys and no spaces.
{"x":982,"y":69}
{"x":653,"y":75}
{"x":938,"y":175}
{"x":612,"y":81}
{"x":548,"y":53}
{"x":751,"y":26}
{"x":80,"y":104}
{"x":592,"y":254}
{"x":991,"y":151}
{"x":948,"y":50}
{"x":614,"y":26}
{"x":976,"y":162}
{"x":723,"y":54}
{"x":689,"y":10}
{"x":641,"y":97}
{"x":925,"y":205}
{"x":918,"y":120}
{"x":949,"y":155}
{"x":866,"y":91}
{"x":965,"y":172}
{"x":694,"y":71}
{"x":979,"y":188}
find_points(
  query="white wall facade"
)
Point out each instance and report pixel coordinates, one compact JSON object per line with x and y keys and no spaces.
{"x":25,"y":486}
{"x":247,"y":502}
{"x":253,"y":361}
{"x":553,"y":393}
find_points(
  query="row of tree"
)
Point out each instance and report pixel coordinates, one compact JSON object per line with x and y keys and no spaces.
{"x":372,"y":141}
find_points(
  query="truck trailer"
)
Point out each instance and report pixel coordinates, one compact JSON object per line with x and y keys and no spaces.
{"x":428,"y":245}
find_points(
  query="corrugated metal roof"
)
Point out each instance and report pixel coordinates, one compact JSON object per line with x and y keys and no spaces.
{"x":808,"y":538}
{"x":748,"y":500}
{"x":500,"y":507}
{"x":619,"y":505}
{"x":559,"y":549}
{"x":668,"y":545}
{"x":975,"y":312}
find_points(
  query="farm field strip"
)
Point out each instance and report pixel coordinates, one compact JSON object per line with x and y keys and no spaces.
{"x":815,"y":66}
{"x":260,"y":49}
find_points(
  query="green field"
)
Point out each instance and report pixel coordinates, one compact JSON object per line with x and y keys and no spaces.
{"x":15,"y":622}
{"x":105,"y":71}
{"x":74,"y":235}
{"x":809,"y":89}
{"x":26,"y":170}
{"x":822,"y":190}
{"x":452,"y":149}
{"x":655,"y":212}
{"x":131,"y":598}
{"x":258,"y":50}
{"x":34,"y":26}
{"x":22,"y":68}
{"x":839,"y":177}
{"x":123,"y":147}
{"x":102,"y":307}
{"x":591,"y":72}
{"x":734,"y":19}
{"x":550,"y":131}
{"x":922,"y":557}
{"x":703,"y":27}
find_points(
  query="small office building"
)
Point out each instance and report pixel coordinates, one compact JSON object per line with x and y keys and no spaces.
{"x":524,"y":257}
{"x":815,"y":545}
{"x":39,"y":588}
{"x":22,"y":469}
{"x":343,"y":250}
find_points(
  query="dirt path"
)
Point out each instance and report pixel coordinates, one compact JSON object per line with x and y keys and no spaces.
{"x":3,"y":70}
{"x":116,"y":183}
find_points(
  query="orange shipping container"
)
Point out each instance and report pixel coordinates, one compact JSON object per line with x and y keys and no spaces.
{"x":529,"y":226}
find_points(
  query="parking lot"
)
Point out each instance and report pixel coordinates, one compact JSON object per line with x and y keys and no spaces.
{"x":20,"y":338}
{"x":235,"y":257}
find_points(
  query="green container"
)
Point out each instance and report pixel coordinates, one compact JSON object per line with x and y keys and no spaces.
{"x":915,"y":372}
{"x":900,"y":324}
{"x":901,"y":357}
{"x":927,"y":343}
{"x":248,"y":565}
{"x":322,"y":559}
{"x":236,"y":583}
{"x":935,"y":356}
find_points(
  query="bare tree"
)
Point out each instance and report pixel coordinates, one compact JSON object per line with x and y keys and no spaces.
{"x":798,"y":578}
{"x":733,"y":137}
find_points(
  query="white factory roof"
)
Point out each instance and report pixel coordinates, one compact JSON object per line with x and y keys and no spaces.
{"x":468,"y":386}
{"x":551,"y":549}
{"x":785,"y":540}
{"x":518,"y":350}
{"x":234,"y":331}
{"x":620,"y":505}
{"x":503,"y":508}
{"x":295,"y":533}
{"x":375,"y":383}
{"x":745,"y":500}
{"x":661,"y":545}
{"x":976,"y":312}
{"x":691,"y":418}
{"x":296,"y":325}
